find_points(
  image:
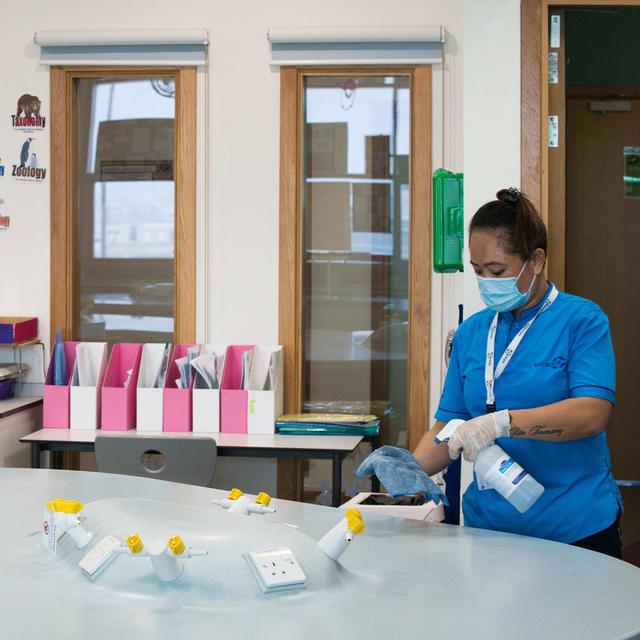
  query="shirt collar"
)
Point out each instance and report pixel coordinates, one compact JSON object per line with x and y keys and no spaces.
{"x":527,"y":314}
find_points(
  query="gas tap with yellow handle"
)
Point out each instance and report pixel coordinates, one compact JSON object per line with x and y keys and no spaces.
{"x":335,"y":542}
{"x":65,"y":516}
{"x":166,"y":556}
{"x":239,"y":502}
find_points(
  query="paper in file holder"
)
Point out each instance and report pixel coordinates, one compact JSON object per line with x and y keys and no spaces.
{"x":177,"y":409}
{"x":56,"y":398}
{"x":86,"y":384}
{"x":119,"y":388}
{"x":150,"y":390}
{"x":207,"y":371}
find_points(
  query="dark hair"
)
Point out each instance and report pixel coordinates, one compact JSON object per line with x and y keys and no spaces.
{"x":513,"y":214}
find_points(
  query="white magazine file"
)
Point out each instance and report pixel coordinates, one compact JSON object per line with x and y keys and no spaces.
{"x":265,"y":406}
{"x":149,"y":399}
{"x":206,"y":402}
{"x":86,"y":384}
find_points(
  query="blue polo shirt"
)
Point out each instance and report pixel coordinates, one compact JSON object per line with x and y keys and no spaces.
{"x":567,"y":353}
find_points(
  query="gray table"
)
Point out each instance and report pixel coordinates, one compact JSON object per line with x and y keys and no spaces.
{"x":399,"y":579}
{"x":333,"y":448}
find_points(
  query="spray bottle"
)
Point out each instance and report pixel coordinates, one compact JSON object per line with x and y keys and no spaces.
{"x":495,"y":469}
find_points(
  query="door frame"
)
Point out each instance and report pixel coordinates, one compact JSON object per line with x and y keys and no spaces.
{"x":538,"y":167}
{"x":290,"y":238}
{"x":63,"y":210}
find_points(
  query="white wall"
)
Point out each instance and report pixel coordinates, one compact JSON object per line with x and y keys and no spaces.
{"x":491,"y":120}
{"x":241,"y":170}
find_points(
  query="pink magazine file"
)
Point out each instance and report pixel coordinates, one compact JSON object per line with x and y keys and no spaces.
{"x":118,"y":402}
{"x":233,"y":399}
{"x":177,"y":407}
{"x":56,"y":401}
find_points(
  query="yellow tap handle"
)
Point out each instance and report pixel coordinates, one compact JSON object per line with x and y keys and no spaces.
{"x":355,"y":522}
{"x":234,"y":494}
{"x":65,"y":506}
{"x":356,"y":525}
{"x":353,"y":513}
{"x":135,"y":543}
{"x":176,"y":545}
{"x":263,"y":498}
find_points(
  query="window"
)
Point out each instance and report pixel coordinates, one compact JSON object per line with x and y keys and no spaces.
{"x":355,"y":198}
{"x":355,"y":256}
{"x":123,"y":205}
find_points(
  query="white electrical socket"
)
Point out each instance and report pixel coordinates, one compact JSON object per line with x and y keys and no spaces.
{"x":98,"y":558}
{"x":276,"y":569}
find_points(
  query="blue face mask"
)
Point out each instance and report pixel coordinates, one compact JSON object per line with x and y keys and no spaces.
{"x":502,"y":294}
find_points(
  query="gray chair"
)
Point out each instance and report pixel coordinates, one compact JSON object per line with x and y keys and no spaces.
{"x":188,"y":460}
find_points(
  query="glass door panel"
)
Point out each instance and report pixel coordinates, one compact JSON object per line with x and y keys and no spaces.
{"x":355,"y":278}
{"x":125,"y":209}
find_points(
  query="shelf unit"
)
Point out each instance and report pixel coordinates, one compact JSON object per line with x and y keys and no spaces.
{"x":16,"y":349}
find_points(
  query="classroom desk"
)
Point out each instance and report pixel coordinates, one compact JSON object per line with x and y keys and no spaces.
{"x":399,"y":579}
{"x":18,"y":418}
{"x":11,"y":406}
{"x":333,"y":448}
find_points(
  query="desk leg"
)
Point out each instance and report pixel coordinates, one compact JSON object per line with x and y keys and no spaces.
{"x":56,"y":459}
{"x":35,"y":455}
{"x":375,"y":483}
{"x":336,"y":489}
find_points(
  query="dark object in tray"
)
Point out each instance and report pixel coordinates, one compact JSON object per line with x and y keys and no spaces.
{"x":402,"y":501}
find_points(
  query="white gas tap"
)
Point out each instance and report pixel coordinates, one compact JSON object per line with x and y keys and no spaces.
{"x":65,"y":516}
{"x":335,"y":542}
{"x":166,"y":557}
{"x":238,"y":502}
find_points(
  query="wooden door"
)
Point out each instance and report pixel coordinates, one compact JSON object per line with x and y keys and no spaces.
{"x":603,"y":264}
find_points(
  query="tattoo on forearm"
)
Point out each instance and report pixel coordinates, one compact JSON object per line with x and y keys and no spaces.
{"x":538,"y":430}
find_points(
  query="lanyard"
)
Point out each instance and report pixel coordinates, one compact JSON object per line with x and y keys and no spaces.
{"x":489,"y":376}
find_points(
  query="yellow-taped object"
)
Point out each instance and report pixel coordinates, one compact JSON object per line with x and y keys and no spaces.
{"x":353,"y":513}
{"x":176,"y":545}
{"x":263,"y":499}
{"x":135,"y":543}
{"x":356,"y":525}
{"x":234,"y":494}
{"x":65,"y":506}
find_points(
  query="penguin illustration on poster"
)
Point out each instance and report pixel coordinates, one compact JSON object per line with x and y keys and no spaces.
{"x":28,"y":168}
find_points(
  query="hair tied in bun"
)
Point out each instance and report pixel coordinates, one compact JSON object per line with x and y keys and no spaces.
{"x":511,"y":195}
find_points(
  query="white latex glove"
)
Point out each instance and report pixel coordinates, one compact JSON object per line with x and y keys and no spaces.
{"x":476,"y":434}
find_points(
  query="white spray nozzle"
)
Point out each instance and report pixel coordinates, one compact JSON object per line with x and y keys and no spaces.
{"x":448,"y":430}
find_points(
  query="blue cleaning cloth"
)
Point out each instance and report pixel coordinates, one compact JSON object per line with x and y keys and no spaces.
{"x":59,"y":361}
{"x":400,"y":473}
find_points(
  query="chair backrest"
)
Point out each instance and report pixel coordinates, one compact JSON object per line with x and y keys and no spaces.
{"x":188,"y":460}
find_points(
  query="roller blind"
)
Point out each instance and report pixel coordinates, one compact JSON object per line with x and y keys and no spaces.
{"x":123,"y":47}
{"x":371,"y":45}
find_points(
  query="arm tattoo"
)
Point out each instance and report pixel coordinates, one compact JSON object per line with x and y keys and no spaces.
{"x":538,"y":430}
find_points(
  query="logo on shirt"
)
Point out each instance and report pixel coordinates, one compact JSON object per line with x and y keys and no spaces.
{"x":559,"y":362}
